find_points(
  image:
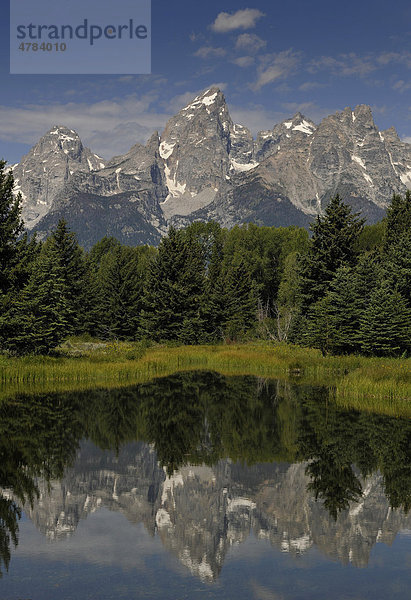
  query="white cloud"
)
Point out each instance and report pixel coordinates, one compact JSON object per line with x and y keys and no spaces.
{"x":401,"y":85}
{"x":395,"y":57}
{"x":210,"y":52}
{"x":407,"y":139}
{"x":108,"y":127}
{"x":275,"y":66}
{"x":249,"y":42}
{"x":345,"y":64}
{"x":311,"y":85}
{"x":242,"y":19}
{"x":244,"y":61}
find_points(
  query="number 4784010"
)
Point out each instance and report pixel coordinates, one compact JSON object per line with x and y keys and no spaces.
{"x":43,"y":47}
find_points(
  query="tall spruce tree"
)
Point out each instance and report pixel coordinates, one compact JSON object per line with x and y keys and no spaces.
{"x":230,"y":304}
{"x":120,"y":283}
{"x":333,"y":323}
{"x":73,"y":266}
{"x":175,"y":286}
{"x":333,"y":245}
{"x":397,"y":264}
{"x":38,"y":319}
{"x":398,"y":219}
{"x":385,"y":328}
{"x":11,"y":226}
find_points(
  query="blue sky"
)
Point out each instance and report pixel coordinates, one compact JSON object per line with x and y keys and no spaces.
{"x":271,"y":59}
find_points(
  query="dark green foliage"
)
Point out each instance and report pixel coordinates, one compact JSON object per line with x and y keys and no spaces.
{"x":75,"y":274}
{"x":230,"y":304}
{"x":333,"y":245}
{"x":333,"y":323}
{"x":372,"y":237}
{"x":398,"y":265}
{"x":119,"y":288}
{"x":38,"y":320}
{"x":11,"y":225}
{"x":99,"y":250}
{"x":263,"y":250}
{"x":175,"y":286}
{"x":385,"y":328}
{"x":398,"y":220}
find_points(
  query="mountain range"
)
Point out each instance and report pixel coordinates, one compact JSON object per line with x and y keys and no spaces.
{"x":205,"y":167}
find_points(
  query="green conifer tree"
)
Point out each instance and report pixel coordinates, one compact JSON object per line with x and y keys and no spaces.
{"x":120,"y":284}
{"x":174,"y":290}
{"x":333,"y":245}
{"x":333,"y":323}
{"x":38,"y":320}
{"x":397,"y":265}
{"x":11,"y":226}
{"x":385,"y":328}
{"x":72,"y":262}
{"x":398,"y":219}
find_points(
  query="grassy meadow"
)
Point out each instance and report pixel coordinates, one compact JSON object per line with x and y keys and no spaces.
{"x":374,"y":384}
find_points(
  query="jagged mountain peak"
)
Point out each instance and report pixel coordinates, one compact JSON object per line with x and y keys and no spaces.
{"x":210,"y":99}
{"x":62,"y":130}
{"x":391,"y":135}
{"x":360,"y":116}
{"x":299,"y":123}
{"x":48,"y":167}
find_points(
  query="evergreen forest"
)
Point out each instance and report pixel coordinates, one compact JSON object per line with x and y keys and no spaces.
{"x":344,"y":288}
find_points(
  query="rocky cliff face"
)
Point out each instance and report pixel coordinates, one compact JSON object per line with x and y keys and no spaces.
{"x":203,"y":166}
{"x":199,"y":511}
{"x":48,"y":168}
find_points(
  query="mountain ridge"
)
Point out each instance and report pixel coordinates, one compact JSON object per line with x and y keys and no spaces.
{"x":204,"y":166}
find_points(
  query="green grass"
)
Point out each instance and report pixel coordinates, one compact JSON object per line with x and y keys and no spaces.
{"x":376,"y":384}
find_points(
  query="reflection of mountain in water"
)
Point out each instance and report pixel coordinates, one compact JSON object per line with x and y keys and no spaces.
{"x":169,"y":453}
{"x":200,"y":511}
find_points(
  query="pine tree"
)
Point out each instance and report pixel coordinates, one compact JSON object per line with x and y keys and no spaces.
{"x":230,"y":304}
{"x":175,"y":286}
{"x":38,"y":320}
{"x":333,"y":245}
{"x":397,"y":264}
{"x":73,"y":266}
{"x":120,"y":283}
{"x":398,"y":219}
{"x":333,"y":323}
{"x":319,"y":327}
{"x":385,"y":328}
{"x":240,"y":302}
{"x":11,"y":226}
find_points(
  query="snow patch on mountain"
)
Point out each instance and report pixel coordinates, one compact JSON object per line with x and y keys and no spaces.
{"x":166,"y":150}
{"x":241,"y":168}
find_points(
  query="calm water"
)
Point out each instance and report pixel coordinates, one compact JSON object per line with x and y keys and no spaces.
{"x":203,"y":486}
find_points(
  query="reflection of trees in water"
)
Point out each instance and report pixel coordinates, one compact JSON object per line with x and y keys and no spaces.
{"x":10,"y":514}
{"x":334,"y":440}
{"x":199,"y":417}
{"x":38,"y":438}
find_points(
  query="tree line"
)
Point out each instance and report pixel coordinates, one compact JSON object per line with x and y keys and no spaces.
{"x":345,"y":289}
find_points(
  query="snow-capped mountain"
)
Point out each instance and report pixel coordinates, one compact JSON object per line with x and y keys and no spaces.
{"x":46,"y":169}
{"x":203,"y":166}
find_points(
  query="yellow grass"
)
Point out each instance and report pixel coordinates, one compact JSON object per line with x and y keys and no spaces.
{"x":376,"y":384}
